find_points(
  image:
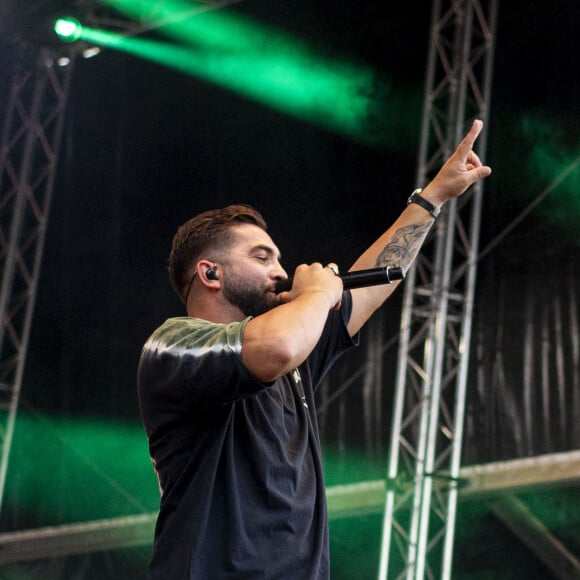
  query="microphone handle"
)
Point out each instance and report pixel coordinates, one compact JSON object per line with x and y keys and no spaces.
{"x":358,"y":278}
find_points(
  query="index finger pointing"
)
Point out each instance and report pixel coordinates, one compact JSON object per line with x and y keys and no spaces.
{"x":465,"y":146}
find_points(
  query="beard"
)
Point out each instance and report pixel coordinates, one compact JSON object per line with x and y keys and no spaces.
{"x":250,"y":299}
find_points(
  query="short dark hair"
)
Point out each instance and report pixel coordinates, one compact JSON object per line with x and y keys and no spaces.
{"x":208,"y":230}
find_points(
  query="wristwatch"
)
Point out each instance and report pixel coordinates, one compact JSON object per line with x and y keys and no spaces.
{"x":416,"y":197}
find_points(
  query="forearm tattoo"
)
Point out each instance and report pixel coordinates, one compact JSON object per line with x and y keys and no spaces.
{"x":404,"y":246}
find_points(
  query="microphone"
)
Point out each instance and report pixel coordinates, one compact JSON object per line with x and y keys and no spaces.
{"x":357,"y":279}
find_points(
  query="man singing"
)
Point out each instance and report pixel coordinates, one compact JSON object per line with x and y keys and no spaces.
{"x":227,"y":393}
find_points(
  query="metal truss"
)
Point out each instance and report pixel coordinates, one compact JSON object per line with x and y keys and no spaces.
{"x":434,"y":346}
{"x":28,"y":160}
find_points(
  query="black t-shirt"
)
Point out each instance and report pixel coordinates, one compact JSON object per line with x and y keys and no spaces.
{"x":238,"y":461}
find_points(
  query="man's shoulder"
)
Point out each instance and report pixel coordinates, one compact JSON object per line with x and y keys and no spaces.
{"x":188,"y":332}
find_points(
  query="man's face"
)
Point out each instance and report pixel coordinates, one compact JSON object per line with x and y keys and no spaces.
{"x":252,"y":268}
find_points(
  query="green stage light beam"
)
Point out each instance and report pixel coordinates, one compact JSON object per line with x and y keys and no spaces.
{"x":205,"y":26}
{"x":552,"y":156}
{"x":555,"y":163}
{"x":219,"y":29}
{"x":284,"y":76}
{"x":102,"y":471}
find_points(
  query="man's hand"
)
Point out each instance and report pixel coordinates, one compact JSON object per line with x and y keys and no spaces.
{"x":460,"y":171}
{"x":280,"y":339}
{"x":315,"y":278}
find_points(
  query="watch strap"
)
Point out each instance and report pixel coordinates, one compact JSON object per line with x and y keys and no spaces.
{"x":417,"y":198}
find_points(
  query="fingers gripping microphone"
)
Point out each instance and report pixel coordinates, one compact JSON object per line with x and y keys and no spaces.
{"x":358,"y":278}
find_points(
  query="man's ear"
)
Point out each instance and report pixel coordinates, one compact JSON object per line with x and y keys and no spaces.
{"x":207,"y":272}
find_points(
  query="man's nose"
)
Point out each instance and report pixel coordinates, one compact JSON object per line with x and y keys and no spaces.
{"x":279,"y":273}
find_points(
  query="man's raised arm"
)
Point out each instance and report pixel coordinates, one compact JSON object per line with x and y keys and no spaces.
{"x":400,"y":244}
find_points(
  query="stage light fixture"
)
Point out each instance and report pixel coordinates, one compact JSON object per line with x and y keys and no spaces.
{"x":68,"y":29}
